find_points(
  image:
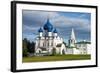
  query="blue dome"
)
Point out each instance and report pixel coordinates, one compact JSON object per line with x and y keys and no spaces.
{"x":40,"y":30}
{"x":55,"y":31}
{"x":48,"y":26}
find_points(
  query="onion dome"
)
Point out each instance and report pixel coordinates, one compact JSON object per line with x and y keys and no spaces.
{"x":40,"y":30}
{"x":48,"y":26}
{"x":55,"y":31}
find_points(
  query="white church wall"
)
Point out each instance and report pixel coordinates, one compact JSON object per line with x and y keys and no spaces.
{"x":58,"y":50}
{"x":76,"y":51}
{"x":36,"y":45}
{"x":84,"y":48}
{"x":50,"y":42}
{"x":88,"y":48}
{"x":49,"y":33}
{"x":63,"y":48}
{"x":40,"y":34}
{"x":69,"y":51}
{"x":55,"y":34}
{"x":40,"y":43}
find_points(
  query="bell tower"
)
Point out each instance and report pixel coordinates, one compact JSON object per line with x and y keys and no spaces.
{"x":72,"y":39}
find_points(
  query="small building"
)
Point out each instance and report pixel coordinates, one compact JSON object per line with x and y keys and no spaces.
{"x":71,"y":48}
{"x":84,"y":47}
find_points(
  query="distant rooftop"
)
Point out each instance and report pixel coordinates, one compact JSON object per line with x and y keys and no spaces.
{"x":83,"y":42}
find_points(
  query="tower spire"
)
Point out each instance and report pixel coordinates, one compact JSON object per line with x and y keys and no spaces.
{"x":72,"y":39}
{"x":72,"y":34}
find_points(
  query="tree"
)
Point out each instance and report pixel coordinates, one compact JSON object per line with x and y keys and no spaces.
{"x":25,"y":43}
{"x":25,"y":49}
{"x":25,"y":52}
{"x":33,"y":47}
{"x":28,"y":47}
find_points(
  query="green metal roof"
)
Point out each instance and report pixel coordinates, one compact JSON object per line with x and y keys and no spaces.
{"x":58,"y":45}
{"x":83,"y":42}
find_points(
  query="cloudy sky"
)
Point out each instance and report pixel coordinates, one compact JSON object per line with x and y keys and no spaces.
{"x":62,"y":21}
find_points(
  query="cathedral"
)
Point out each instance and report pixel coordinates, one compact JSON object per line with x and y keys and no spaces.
{"x":49,"y":42}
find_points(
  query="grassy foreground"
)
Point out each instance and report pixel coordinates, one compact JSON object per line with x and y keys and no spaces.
{"x":56,"y":58}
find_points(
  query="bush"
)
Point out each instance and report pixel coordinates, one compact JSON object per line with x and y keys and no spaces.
{"x":25,"y":52}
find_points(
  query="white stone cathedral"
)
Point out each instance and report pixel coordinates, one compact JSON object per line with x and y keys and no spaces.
{"x":49,"y":42}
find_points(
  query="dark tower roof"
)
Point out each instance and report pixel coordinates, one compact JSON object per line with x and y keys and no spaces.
{"x":40,"y":30}
{"x":48,"y":26}
{"x":55,"y":31}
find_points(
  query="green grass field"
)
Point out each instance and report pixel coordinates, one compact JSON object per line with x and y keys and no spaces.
{"x":55,"y":58}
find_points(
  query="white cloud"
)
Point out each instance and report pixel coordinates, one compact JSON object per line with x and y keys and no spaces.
{"x":80,"y":23}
